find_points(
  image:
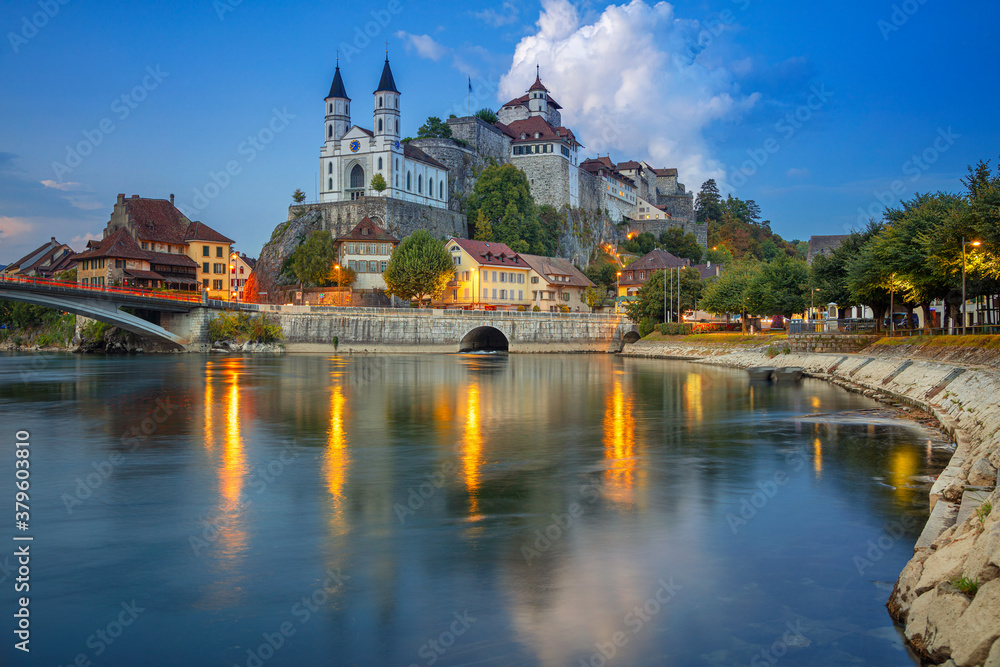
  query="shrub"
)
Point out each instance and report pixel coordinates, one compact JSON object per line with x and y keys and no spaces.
{"x":772,"y":351}
{"x":646,"y":327}
{"x":536,"y":309}
{"x":94,"y":330}
{"x":968,"y":586}
{"x":241,"y":327}
{"x":520,"y":309}
{"x":675,"y":329}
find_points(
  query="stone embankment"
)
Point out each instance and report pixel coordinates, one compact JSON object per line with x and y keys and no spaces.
{"x":948,"y":596}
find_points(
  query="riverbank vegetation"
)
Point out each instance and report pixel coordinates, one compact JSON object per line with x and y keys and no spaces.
{"x":243,"y":328}
{"x":27,"y":325}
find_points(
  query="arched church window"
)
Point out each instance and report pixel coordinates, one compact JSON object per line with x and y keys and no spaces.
{"x":329,"y":185}
{"x":380,"y":164}
{"x":331,"y":108}
{"x":379,"y":124}
{"x":441,"y":190}
{"x":408,"y":185}
{"x":420,"y":182}
{"x":397,"y":102}
{"x":379,"y":101}
{"x":357,"y":177}
{"x":397,"y":165}
{"x":329,"y":130}
{"x":329,"y":167}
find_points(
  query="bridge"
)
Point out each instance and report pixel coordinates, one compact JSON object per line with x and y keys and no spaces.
{"x":180,"y":320}
{"x":105,"y":304}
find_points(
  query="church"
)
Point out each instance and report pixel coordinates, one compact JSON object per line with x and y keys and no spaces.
{"x":352,"y":155}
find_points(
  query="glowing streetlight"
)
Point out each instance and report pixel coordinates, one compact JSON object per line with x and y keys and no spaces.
{"x":974,"y":244}
{"x":618,"y":291}
{"x":233,"y":280}
{"x":339,"y":292}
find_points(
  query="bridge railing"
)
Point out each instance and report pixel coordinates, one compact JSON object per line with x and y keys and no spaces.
{"x":106,"y":289}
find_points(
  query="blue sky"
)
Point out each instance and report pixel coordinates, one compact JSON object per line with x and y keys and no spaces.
{"x":815,"y":110}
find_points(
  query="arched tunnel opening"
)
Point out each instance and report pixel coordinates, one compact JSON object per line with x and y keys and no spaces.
{"x":631,"y":337}
{"x":484,"y":339}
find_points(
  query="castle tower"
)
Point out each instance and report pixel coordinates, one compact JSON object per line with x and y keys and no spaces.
{"x":386,"y":122}
{"x":538,"y":103}
{"x":338,"y":109}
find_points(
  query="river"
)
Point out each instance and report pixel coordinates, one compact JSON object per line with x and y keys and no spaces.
{"x":453,"y":510}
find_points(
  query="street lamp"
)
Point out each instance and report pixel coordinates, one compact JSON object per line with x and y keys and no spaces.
{"x":618,"y":289}
{"x":233,"y":280}
{"x":339,"y":286}
{"x":972,"y":243}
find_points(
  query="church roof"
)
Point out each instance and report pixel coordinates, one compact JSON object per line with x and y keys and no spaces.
{"x":337,"y":87}
{"x":386,"y":83}
{"x":414,"y":153}
{"x":367,"y":230}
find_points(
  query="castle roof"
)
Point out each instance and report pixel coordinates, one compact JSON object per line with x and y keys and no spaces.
{"x":665,"y":172}
{"x":604,"y":164}
{"x":490,"y":253}
{"x":522,"y":101}
{"x":529,"y":126}
{"x":337,"y":87}
{"x":199,"y":231}
{"x":629,"y":165}
{"x":367,"y":230}
{"x":414,"y":153}
{"x":537,"y":85}
{"x":386,"y":84}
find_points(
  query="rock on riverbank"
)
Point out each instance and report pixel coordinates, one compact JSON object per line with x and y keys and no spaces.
{"x":948,"y":596}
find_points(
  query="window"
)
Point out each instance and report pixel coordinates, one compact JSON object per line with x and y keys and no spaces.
{"x":382,"y":266}
{"x":534,"y":280}
{"x":204,"y":283}
{"x":397,"y":102}
{"x":204,"y":250}
{"x":486,"y":276}
{"x":380,"y":164}
{"x":329,"y":167}
{"x":379,"y":101}
{"x":494,"y":276}
{"x":216,"y":284}
{"x":456,"y":260}
{"x":204,"y":268}
{"x":373,"y":266}
{"x":503,"y":295}
{"x":351,"y":265}
{"x":357,"y":177}
{"x":350,"y":248}
{"x":420,"y":182}
{"x":520,"y":295}
{"x":371,"y":249}
{"x":241,"y":270}
{"x":494,"y":294}
{"x":503,"y":276}
{"x":408,"y":185}
{"x":486,"y":293}
{"x":384,"y":249}
{"x":565,"y":296}
{"x":465,"y":276}
{"x":329,"y":130}
{"x":441,"y":189}
{"x":119,"y":264}
{"x":329,"y":185}
{"x":218,"y":251}
{"x":380,"y":123}
{"x":144,"y":246}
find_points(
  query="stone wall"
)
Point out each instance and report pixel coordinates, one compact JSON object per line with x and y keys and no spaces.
{"x":548,"y":176}
{"x":657,"y":227}
{"x":485,"y":139}
{"x":463,"y":164}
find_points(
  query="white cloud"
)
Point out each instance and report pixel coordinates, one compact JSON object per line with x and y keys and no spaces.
{"x":78,"y":243}
{"x":424,"y":45}
{"x":83,"y":202}
{"x":630,"y":82}
{"x":12,"y":227}
{"x":506,"y":15}
{"x":795,"y":172}
{"x":65,"y":187}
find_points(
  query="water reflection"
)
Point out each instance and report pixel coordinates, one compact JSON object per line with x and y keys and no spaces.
{"x":472,"y":445}
{"x":338,"y":458}
{"x":692,"y":398}
{"x":619,"y":444}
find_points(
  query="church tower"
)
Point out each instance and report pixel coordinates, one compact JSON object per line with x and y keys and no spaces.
{"x":338,"y":109}
{"x":538,"y":103}
{"x":386,"y":123}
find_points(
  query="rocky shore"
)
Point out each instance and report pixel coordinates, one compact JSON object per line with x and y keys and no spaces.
{"x":947,"y":598}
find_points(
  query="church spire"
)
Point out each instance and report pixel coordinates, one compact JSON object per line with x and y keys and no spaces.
{"x":386,"y":84}
{"x":337,"y":87}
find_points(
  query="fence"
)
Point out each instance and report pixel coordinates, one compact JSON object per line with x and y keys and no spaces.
{"x":194,"y":297}
{"x":831,"y":326}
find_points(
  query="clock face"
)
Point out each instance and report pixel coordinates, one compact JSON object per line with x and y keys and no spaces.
{"x":397,"y":143}
{"x":355,"y":146}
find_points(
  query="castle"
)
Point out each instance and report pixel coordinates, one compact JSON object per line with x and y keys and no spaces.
{"x":424,"y":182}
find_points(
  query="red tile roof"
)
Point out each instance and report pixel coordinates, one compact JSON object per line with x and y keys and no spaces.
{"x":144,"y":275}
{"x":366,"y":230}
{"x":170,"y":259}
{"x":596,"y":165}
{"x":629,"y":164}
{"x":665,"y":172}
{"x":490,"y":253}
{"x":651,"y":262}
{"x":157,"y":220}
{"x":557,"y":266}
{"x":522,"y":101}
{"x":119,"y":245}
{"x":199,"y":231}
{"x":529,"y":126}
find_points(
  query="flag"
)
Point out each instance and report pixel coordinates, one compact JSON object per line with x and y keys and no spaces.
{"x":470,"y":84}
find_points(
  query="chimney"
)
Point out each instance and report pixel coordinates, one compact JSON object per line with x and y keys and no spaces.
{"x":171,"y":199}
{"x":135,"y":196}
{"x":121,"y":198}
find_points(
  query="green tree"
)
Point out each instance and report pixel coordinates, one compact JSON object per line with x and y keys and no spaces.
{"x":649,"y":305}
{"x":679,"y":244}
{"x":503,"y":195}
{"x":484,"y":230}
{"x":640,"y":244}
{"x":487,"y":114}
{"x":708,"y":203}
{"x":780,"y":288}
{"x":312,"y":262}
{"x":719,"y":255}
{"x":434,"y":127}
{"x":298,"y":196}
{"x":828,"y":273}
{"x":420,"y":267}
{"x":344,"y":276}
{"x":604,"y":276}
{"x":378,"y":183}
{"x":551,"y":220}
{"x":730,"y":292}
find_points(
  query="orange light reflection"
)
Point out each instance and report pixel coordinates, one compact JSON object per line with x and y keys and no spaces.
{"x":472,"y":446}
{"x":619,"y":445}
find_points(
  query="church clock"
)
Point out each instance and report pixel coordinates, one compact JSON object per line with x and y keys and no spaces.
{"x":355,"y":146}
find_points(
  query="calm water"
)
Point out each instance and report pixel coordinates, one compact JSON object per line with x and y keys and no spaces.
{"x":452,"y":510}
